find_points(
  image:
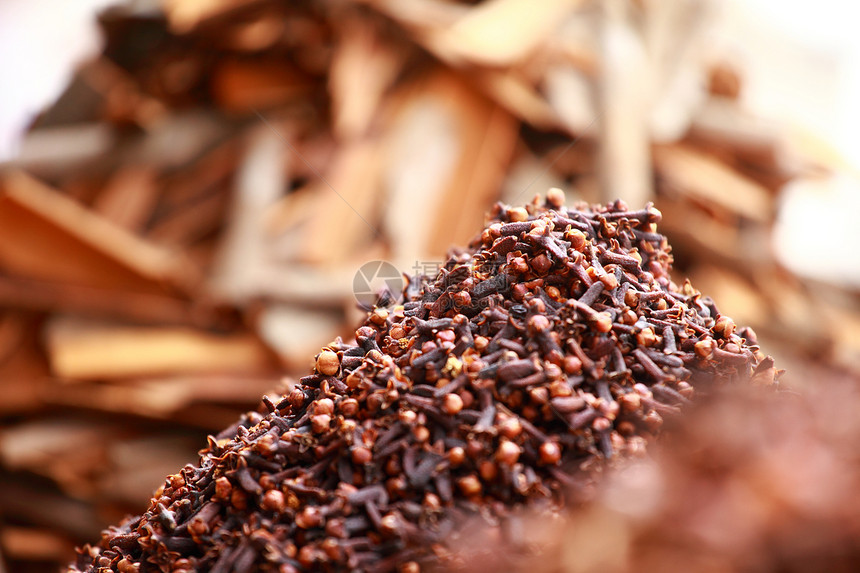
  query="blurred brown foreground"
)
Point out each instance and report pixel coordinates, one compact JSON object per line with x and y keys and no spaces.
{"x":748,"y":482}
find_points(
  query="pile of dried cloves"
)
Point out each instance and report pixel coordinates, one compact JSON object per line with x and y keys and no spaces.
{"x":555,"y":343}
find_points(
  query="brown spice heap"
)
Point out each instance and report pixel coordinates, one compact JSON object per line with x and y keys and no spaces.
{"x":554,"y":343}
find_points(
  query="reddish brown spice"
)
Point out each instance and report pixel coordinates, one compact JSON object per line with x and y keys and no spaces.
{"x":555,"y":343}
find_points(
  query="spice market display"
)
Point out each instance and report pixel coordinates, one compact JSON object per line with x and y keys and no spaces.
{"x":553,"y":345}
{"x":181,"y":228}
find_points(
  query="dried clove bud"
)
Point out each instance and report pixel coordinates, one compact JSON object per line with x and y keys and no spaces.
{"x":553,"y":344}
